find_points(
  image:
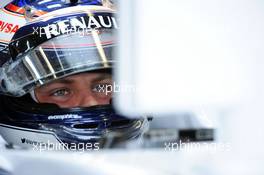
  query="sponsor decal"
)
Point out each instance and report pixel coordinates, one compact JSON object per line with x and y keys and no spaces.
{"x":76,"y":24}
{"x":8,"y":27}
{"x":62,"y":117}
{"x":33,"y":142}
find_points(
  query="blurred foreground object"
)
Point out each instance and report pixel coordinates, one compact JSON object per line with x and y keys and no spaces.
{"x":180,"y":56}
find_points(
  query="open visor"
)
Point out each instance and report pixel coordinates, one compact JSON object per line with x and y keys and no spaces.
{"x":56,"y":58}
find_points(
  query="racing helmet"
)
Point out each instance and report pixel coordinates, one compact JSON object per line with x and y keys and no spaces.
{"x":72,"y":39}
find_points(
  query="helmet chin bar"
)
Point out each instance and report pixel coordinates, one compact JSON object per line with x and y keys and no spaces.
{"x":27,"y":124}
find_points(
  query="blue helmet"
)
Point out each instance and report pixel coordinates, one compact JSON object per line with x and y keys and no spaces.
{"x":56,"y":44}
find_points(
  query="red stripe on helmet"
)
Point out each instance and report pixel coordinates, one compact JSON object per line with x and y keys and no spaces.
{"x":15,"y":9}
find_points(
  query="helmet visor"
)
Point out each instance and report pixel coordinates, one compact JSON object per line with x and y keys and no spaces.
{"x":59,"y":57}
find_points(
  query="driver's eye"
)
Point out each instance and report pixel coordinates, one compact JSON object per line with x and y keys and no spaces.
{"x":102,"y":89}
{"x":105,"y":87}
{"x":99,"y":88}
{"x":60,"y":92}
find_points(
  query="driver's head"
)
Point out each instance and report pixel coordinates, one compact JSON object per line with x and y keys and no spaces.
{"x":59,"y":76}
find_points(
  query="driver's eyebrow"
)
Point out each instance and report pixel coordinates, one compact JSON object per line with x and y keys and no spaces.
{"x":64,"y":81}
{"x":70,"y":80}
{"x":59,"y":81}
{"x":101,"y":77}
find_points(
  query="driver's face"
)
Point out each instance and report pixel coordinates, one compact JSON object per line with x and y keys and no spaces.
{"x":81,"y":90}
